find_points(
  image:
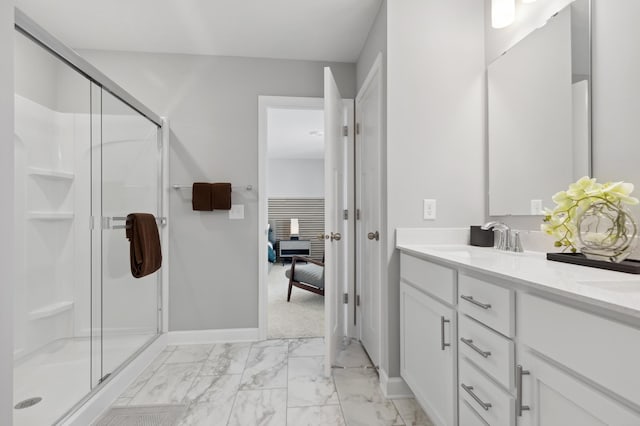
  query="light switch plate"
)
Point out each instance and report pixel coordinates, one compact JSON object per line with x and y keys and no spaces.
{"x":429,"y":209}
{"x":237,"y":211}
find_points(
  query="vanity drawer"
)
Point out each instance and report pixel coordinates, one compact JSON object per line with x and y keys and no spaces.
{"x":436,"y":280}
{"x":488,"y":303}
{"x":495,"y":406}
{"x":469,"y":416}
{"x":598,"y":348}
{"x":490,"y":351}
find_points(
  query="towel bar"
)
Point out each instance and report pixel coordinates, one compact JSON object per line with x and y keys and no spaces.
{"x":233,"y":187}
{"x":107,"y":220}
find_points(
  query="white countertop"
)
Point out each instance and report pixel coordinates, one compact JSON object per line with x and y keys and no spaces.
{"x":616,"y":291}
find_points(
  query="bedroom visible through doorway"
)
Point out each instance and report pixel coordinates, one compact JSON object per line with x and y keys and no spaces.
{"x":295,"y":212}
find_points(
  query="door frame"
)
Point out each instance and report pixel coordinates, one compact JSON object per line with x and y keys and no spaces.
{"x":289,"y":102}
{"x":375,"y":74}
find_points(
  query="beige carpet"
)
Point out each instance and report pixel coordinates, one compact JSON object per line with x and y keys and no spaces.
{"x":302,"y":317}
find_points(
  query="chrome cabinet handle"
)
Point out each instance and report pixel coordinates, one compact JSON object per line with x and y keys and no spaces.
{"x":469,"y":343}
{"x":519,"y":407}
{"x":469,"y":389}
{"x":443,"y":321}
{"x":475,"y":302}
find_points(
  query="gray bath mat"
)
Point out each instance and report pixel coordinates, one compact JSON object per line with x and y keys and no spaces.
{"x":148,"y":415}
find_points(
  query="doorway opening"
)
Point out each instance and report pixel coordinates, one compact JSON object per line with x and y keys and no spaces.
{"x":293,"y":182}
{"x":295,"y":213}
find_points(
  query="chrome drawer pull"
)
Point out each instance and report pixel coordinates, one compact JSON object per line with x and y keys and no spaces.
{"x":469,"y":389}
{"x":469,"y":343}
{"x":442,"y":343}
{"x":519,"y":407}
{"x":475,"y":302}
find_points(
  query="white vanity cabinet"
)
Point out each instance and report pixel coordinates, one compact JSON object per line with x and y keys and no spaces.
{"x":486,"y":326}
{"x":551,"y":396}
{"x":574,"y":367}
{"x":477,"y":349}
{"x":428,"y":339}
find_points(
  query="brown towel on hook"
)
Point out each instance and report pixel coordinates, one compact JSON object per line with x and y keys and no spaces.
{"x":145,"y":252}
{"x":202,"y":196}
{"x":221,"y":195}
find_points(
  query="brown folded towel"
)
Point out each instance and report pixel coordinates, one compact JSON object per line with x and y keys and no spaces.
{"x":201,"y":196}
{"x":145,"y":252}
{"x":221,"y":194}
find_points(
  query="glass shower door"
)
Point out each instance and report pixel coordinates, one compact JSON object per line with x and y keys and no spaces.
{"x":131,"y":183}
{"x":83,"y":160}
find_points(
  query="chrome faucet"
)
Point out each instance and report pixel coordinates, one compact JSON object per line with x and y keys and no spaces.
{"x":505,"y":241}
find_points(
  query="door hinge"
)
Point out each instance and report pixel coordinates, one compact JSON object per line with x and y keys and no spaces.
{"x":357,"y":214}
{"x":358,"y":300}
{"x":345,"y":214}
{"x":345,"y":298}
{"x":345,"y":131}
{"x":357,"y":128}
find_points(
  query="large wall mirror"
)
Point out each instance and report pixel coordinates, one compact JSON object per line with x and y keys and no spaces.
{"x":539,"y":115}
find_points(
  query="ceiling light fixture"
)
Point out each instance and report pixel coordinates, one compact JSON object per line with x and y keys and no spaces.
{"x":503,"y":13}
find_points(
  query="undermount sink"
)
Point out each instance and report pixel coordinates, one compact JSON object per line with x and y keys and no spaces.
{"x":622,"y":286}
{"x":462,"y":250}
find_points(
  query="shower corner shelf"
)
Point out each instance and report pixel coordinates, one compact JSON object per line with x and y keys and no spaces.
{"x":50,"y":215}
{"x":51,"y":173}
{"x":51,"y":310}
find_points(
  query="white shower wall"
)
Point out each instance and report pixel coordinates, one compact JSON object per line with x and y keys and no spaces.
{"x":47,"y":237}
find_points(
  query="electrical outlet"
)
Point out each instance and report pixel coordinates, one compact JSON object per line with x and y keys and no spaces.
{"x":237,"y":211}
{"x":536,"y":207}
{"x":429,"y":208}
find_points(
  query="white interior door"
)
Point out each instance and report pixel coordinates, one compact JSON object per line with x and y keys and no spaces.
{"x":369,"y":236}
{"x":334,"y":184}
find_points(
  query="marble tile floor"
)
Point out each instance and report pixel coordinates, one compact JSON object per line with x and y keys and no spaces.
{"x":273,"y":382}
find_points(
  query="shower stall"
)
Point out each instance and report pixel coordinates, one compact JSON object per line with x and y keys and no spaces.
{"x":86,"y":155}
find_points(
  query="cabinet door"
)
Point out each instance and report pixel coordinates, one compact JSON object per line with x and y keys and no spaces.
{"x":428,"y":345}
{"x":555,"y":397}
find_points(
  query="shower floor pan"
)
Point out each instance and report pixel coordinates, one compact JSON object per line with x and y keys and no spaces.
{"x":59,"y":374}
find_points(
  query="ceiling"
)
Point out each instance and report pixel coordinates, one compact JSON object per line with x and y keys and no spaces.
{"x":322,"y":30}
{"x":295,"y":134}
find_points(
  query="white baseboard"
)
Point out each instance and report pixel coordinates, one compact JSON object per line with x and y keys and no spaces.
{"x":95,"y":406}
{"x":394,"y":387}
{"x":213,"y":336}
{"x":86,"y":332}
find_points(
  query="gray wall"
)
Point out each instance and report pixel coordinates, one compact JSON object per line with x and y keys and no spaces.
{"x":212,"y":105}
{"x":37,"y":79}
{"x":376,"y":42}
{"x":435,"y":136}
{"x":6,"y":212}
{"x":295,"y":177}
